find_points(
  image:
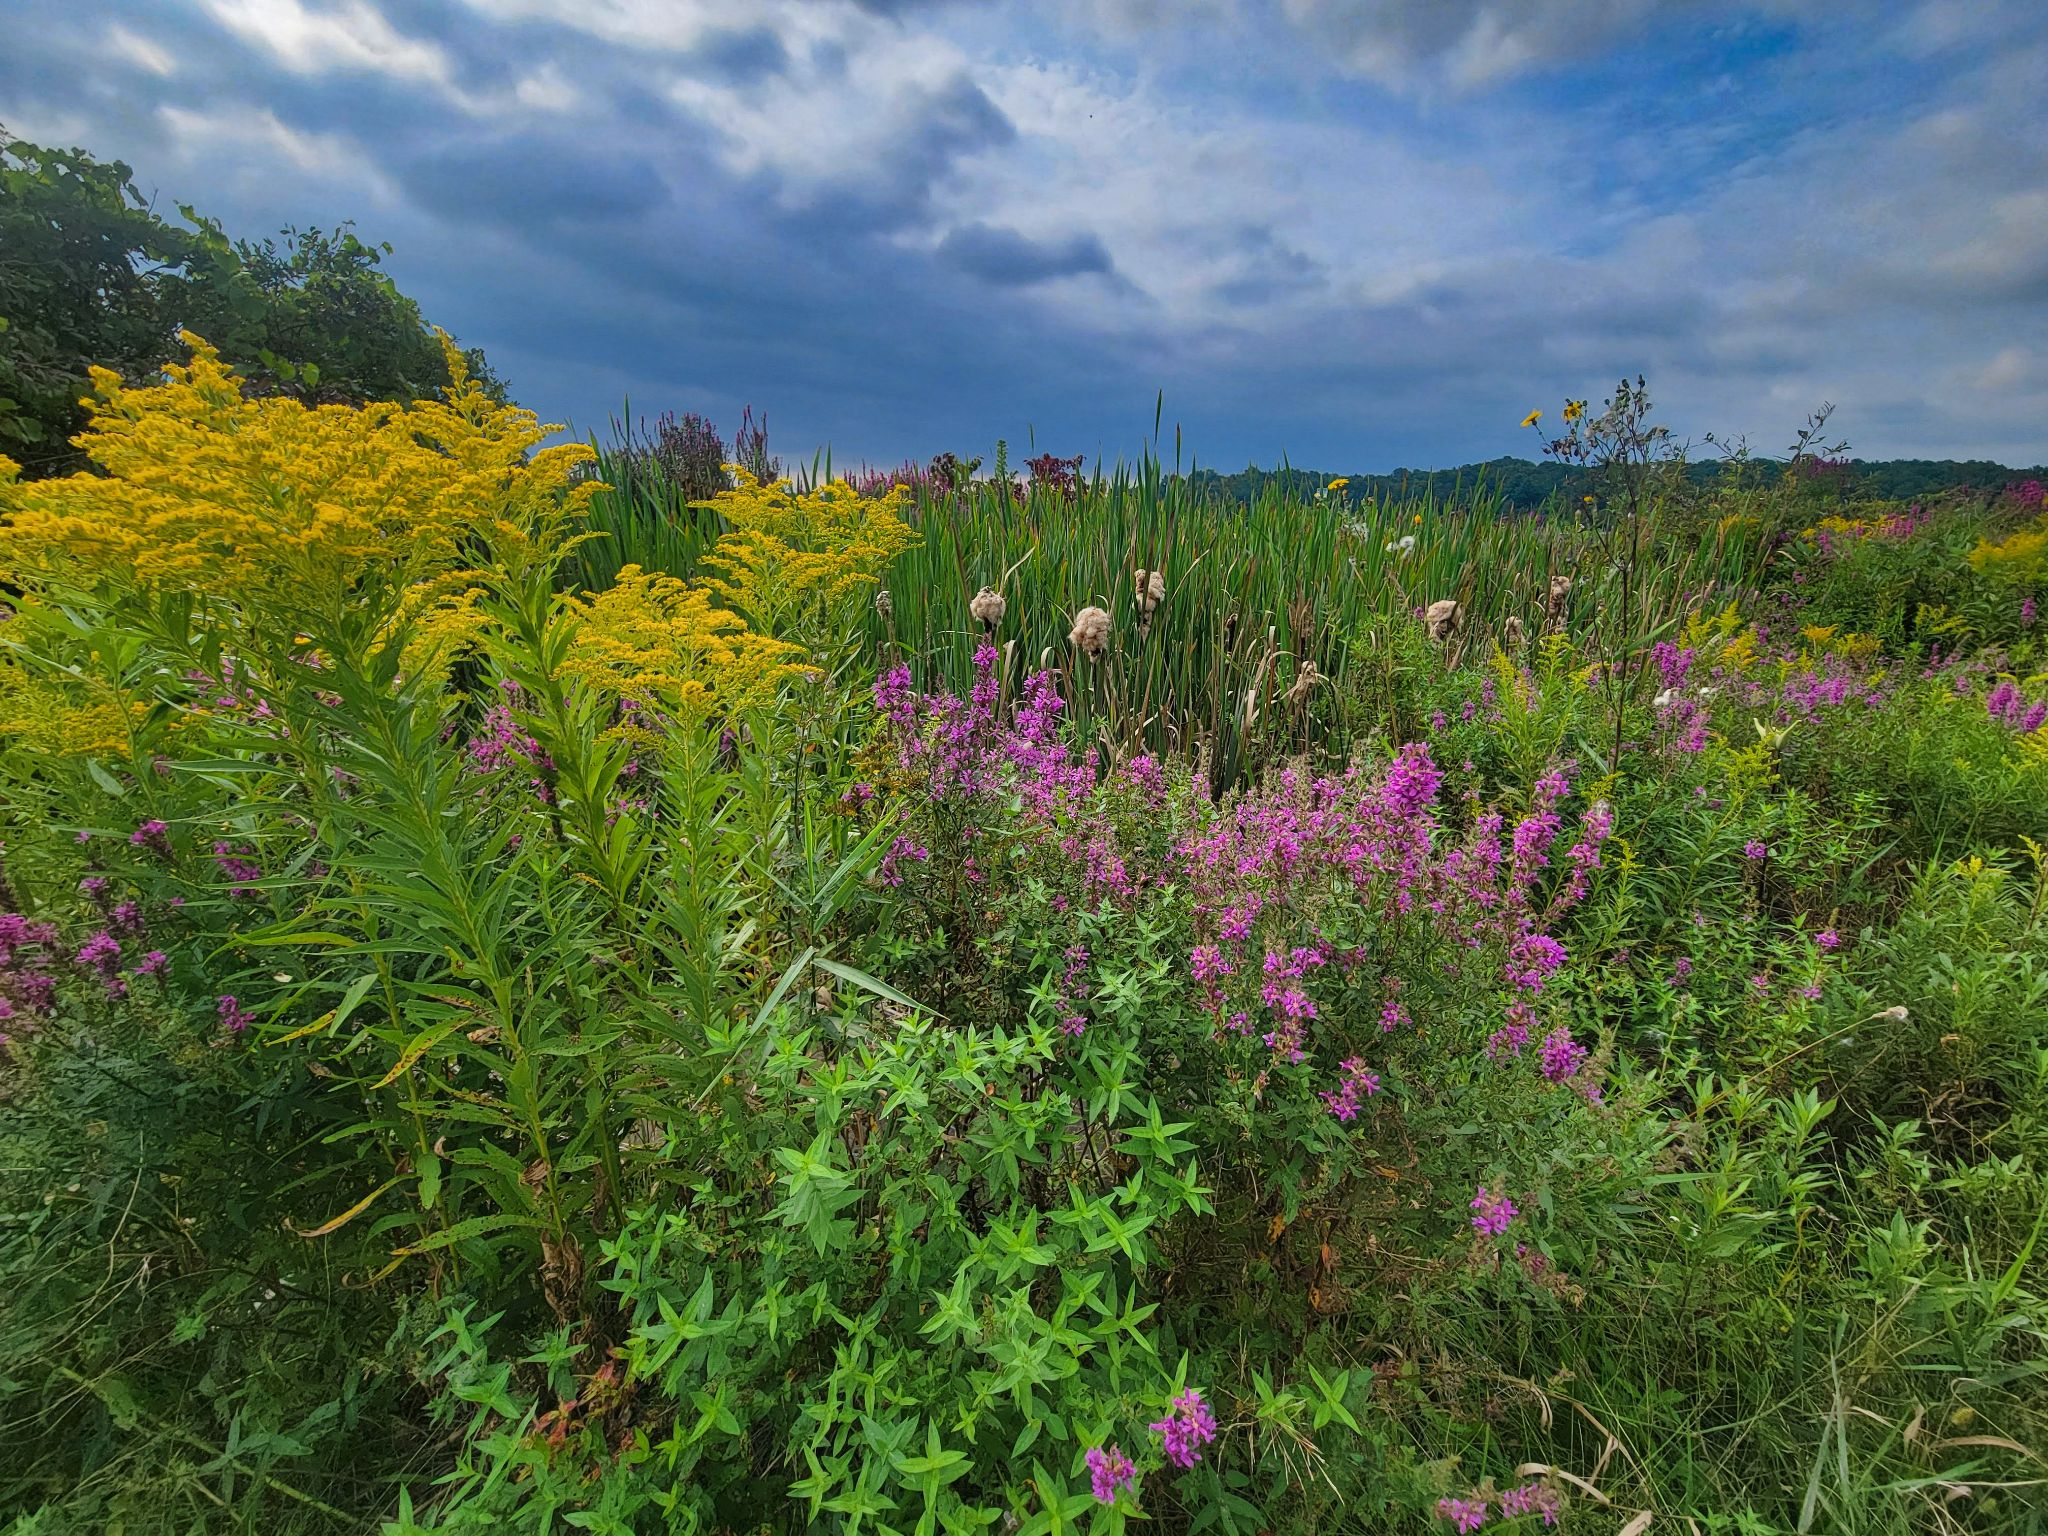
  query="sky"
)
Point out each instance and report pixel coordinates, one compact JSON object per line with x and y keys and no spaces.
{"x":1356,"y":234}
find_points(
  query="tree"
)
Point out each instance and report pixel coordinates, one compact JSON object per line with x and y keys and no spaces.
{"x":83,"y":260}
{"x":91,"y":276}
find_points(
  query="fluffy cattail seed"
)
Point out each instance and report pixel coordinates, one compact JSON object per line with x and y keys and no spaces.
{"x":1148,"y":590}
{"x":1560,"y":589}
{"x":1511,"y":631}
{"x":883,"y":603}
{"x":988,"y":607}
{"x":1442,"y":617}
{"x":1898,"y":1013}
{"x":1090,"y":634}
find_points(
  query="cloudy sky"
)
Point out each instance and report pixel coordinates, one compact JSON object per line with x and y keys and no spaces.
{"x":1359,"y":233}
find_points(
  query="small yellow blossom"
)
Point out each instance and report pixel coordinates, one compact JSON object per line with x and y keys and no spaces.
{"x":1532,"y":418}
{"x":1574,"y":409}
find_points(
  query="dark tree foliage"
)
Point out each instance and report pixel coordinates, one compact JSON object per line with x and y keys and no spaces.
{"x":92,"y":276}
{"x":1529,"y":486}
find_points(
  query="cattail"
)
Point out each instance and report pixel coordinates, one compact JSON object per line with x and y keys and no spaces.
{"x":1090,"y":634}
{"x":1149,"y":592}
{"x":1511,"y":631}
{"x":988,"y":607}
{"x":884,"y":605}
{"x":1560,"y":589}
{"x":1442,"y":617}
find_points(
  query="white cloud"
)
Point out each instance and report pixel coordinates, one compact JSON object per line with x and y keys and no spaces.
{"x":255,"y":144}
{"x":351,"y":36}
{"x":2007,"y":371}
{"x":1405,"y":44}
{"x":141,"y":52}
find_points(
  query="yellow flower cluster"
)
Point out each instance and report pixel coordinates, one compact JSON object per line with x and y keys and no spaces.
{"x":2018,"y":557}
{"x":1825,"y":639}
{"x":790,"y":558}
{"x":48,"y":719}
{"x":271,"y":505}
{"x":658,"y":641}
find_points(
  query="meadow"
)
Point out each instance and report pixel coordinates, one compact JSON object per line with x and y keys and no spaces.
{"x":542,"y":992}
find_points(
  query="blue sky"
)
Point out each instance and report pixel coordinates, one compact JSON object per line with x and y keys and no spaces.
{"x":1358,"y":233}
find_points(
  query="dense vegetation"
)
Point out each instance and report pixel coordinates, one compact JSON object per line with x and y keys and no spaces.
{"x":1529,"y":485}
{"x":544,"y":993}
{"x":91,"y":276}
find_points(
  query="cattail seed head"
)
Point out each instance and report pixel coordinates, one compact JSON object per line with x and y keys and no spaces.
{"x":884,"y":604}
{"x":988,"y":607}
{"x":1442,"y":618}
{"x":1511,"y":631}
{"x":1148,"y":591}
{"x":1090,"y":634}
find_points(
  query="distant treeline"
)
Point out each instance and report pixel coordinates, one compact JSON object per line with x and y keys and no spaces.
{"x":1527,"y":485}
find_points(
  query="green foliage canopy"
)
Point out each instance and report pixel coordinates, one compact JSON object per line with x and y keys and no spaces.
{"x":92,"y":276}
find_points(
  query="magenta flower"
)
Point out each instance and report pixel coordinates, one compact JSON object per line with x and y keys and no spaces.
{"x":1563,"y":1056}
{"x":1108,"y":1470}
{"x":1465,"y":1515}
{"x":1492,"y":1213}
{"x":153,"y":835}
{"x":1187,"y":1429}
{"x":1355,"y":1084}
{"x":1754,"y":849}
{"x":233,"y":1015}
{"x":1531,"y":1499}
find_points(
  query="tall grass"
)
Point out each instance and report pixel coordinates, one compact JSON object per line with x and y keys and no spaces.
{"x":642,"y":517}
{"x":1256,"y":595}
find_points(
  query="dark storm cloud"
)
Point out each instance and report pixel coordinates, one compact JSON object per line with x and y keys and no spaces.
{"x":1006,"y":259}
{"x":595,"y":194}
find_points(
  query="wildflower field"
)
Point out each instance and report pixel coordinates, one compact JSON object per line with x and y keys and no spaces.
{"x":542,"y":993}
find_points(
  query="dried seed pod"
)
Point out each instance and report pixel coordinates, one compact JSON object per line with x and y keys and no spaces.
{"x":988,"y":607}
{"x":1090,"y":634}
{"x":1442,"y":618}
{"x":1511,"y":632}
{"x":1148,"y":591}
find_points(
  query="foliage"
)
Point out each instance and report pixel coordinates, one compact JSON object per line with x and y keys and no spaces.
{"x":95,"y":279}
{"x":1407,"y":1018}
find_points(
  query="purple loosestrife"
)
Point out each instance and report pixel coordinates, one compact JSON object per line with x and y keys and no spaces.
{"x":1187,"y":1429}
{"x":1465,"y":1515}
{"x":901,"y":850}
{"x":242,"y":872}
{"x":1531,"y":1499}
{"x":1108,"y":1470}
{"x":1355,"y":1084}
{"x":233,"y":1015}
{"x":101,"y":955}
{"x":1492,"y":1213}
{"x":1563,"y":1057}
{"x":1074,"y":989}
